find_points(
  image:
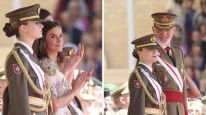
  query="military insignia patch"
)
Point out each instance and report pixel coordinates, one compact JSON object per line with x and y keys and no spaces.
{"x":165,"y":19}
{"x":137,"y":84}
{"x":153,"y":39}
{"x":16,"y":69}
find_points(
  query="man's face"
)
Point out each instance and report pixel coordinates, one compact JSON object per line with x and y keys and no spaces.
{"x":163,"y":36}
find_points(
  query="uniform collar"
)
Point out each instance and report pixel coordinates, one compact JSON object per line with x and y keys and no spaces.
{"x":148,"y":67}
{"x":166,"y":46}
{"x":27,"y":46}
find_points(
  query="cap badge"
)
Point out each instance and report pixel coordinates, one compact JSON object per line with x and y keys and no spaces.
{"x":164,"y":19}
{"x":153,"y":39}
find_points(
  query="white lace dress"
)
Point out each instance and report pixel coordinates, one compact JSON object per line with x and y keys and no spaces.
{"x":58,"y":83}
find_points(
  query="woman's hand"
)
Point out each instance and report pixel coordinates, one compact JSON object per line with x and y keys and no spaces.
{"x":82,"y":79}
{"x":71,"y":63}
{"x":89,"y":74}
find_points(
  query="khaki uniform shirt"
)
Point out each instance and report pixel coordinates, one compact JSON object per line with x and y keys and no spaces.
{"x":167,"y":81}
{"x":16,"y":94}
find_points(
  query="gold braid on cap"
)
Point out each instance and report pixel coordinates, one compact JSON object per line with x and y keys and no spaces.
{"x":162,"y":103}
{"x":165,"y":24}
{"x":29,"y":17}
{"x":149,"y":44}
{"x":163,"y":27}
{"x":46,"y":93}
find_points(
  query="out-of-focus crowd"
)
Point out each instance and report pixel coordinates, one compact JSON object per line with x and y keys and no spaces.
{"x":81,"y":22}
{"x":190,"y":36}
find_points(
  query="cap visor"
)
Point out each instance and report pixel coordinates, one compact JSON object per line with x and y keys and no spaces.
{"x":36,"y":19}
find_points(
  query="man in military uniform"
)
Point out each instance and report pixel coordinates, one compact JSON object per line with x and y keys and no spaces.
{"x":145,"y":91}
{"x":27,"y":92}
{"x":169,"y":68}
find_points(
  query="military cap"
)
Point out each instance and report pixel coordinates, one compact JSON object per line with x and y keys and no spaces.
{"x":24,"y":14}
{"x":163,"y":20}
{"x":120,"y":90}
{"x":125,"y":91}
{"x":145,"y":41}
{"x":2,"y":75}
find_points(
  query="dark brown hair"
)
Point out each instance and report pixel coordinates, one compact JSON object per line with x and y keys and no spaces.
{"x":38,"y":46}
{"x":10,"y":30}
{"x":135,"y":54}
{"x":44,"y":13}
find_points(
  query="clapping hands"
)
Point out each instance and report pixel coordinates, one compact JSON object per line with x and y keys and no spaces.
{"x":81,"y":79}
{"x":71,"y":63}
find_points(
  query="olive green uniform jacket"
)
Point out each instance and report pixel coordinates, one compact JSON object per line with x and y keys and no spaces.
{"x":138,"y":98}
{"x":16,"y":94}
{"x":167,"y":82}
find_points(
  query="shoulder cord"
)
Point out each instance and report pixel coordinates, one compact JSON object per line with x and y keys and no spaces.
{"x":46,"y":93}
{"x":162,"y":103}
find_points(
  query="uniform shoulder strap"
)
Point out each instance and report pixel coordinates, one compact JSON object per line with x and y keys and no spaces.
{"x":46,"y":93}
{"x":145,"y":88}
{"x":162,"y":103}
{"x":26,"y":75}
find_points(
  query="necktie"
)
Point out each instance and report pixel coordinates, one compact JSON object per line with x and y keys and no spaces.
{"x":169,"y":53}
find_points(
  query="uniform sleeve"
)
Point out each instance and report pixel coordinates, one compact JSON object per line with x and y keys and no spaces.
{"x":184,"y":81}
{"x":137,"y":97}
{"x":18,"y":89}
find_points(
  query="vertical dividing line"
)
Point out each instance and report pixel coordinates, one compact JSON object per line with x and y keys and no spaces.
{"x":130,"y":22}
{"x":15,"y":5}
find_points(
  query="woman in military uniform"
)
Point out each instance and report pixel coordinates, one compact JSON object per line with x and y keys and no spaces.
{"x":27,"y":93}
{"x":145,"y":92}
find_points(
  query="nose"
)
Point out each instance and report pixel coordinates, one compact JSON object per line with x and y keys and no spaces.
{"x":164,"y":32}
{"x":59,"y":39}
{"x":155,"y":52}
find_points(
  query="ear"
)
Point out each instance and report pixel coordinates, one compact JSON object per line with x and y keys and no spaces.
{"x":122,"y":100}
{"x":153,"y":29}
{"x":22,"y":28}
{"x":174,"y":29}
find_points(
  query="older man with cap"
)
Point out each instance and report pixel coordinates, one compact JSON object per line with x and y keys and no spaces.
{"x":170,"y":68}
{"x":27,"y":92}
{"x":146,"y":95}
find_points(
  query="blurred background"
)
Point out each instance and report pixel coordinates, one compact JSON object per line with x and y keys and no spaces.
{"x":126,"y":20}
{"x":81,"y":22}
